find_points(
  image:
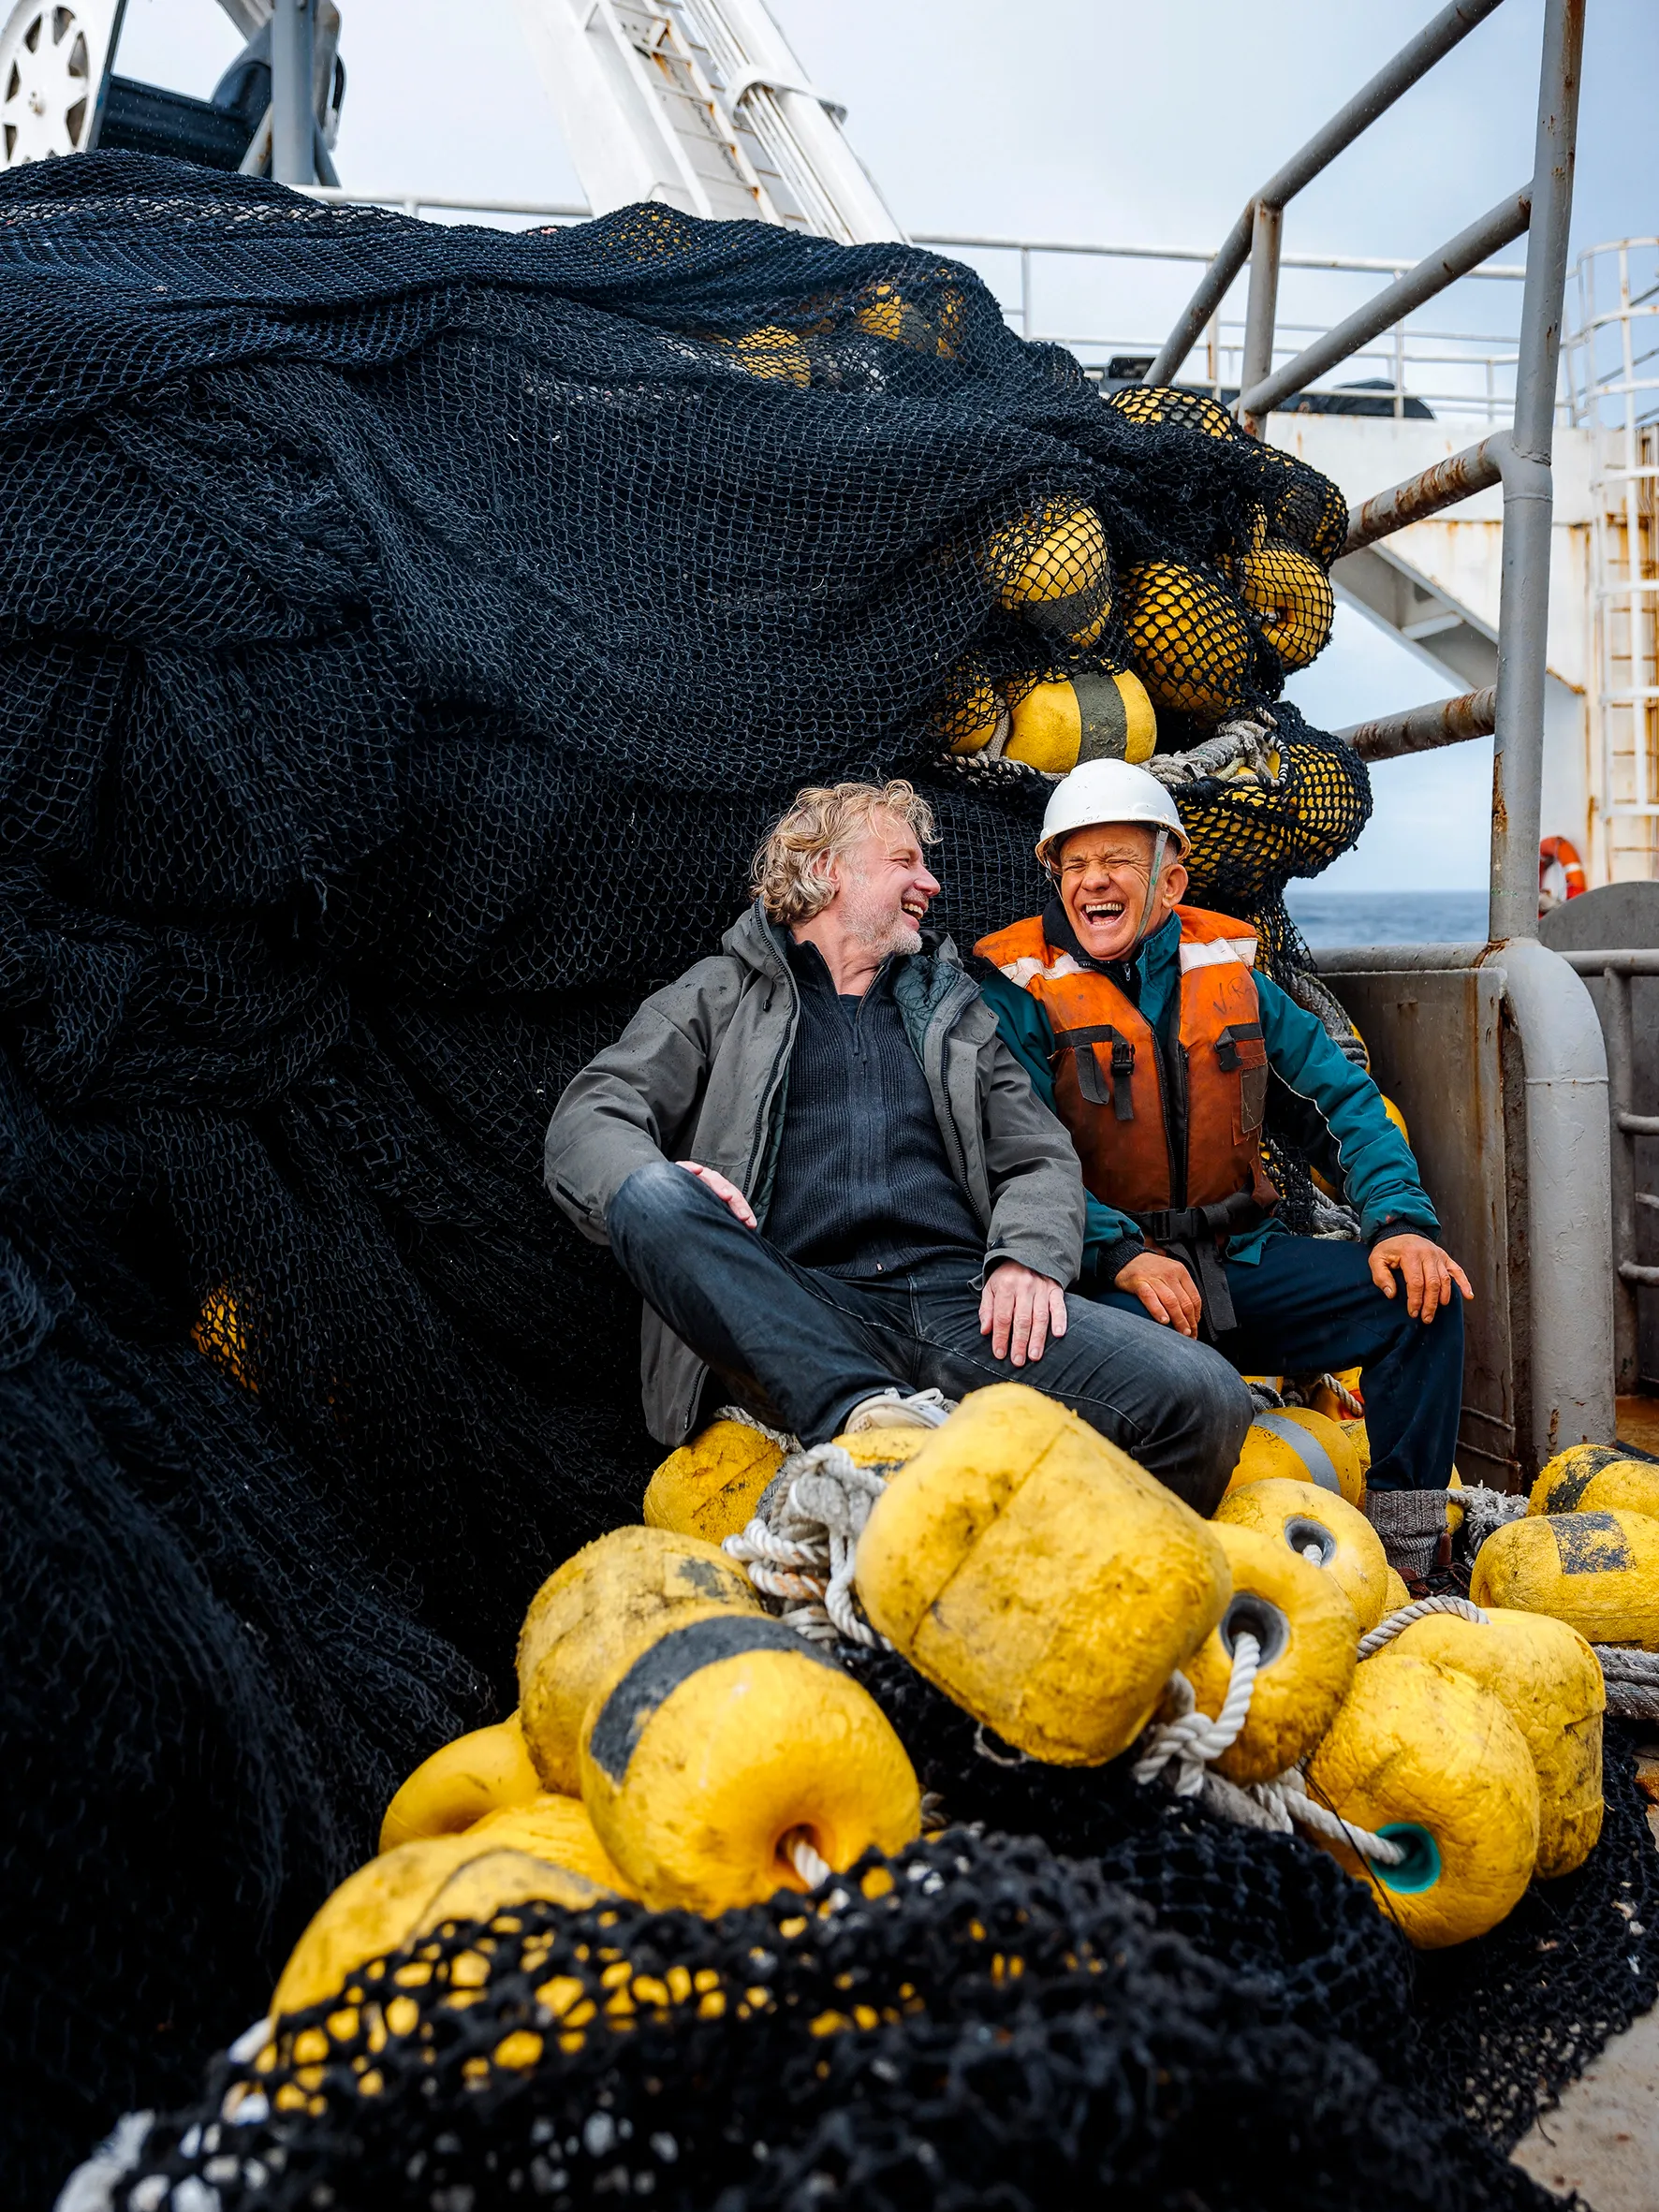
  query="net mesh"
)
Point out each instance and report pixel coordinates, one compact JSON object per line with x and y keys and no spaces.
{"x":978,"y":2022}
{"x":409,"y":633}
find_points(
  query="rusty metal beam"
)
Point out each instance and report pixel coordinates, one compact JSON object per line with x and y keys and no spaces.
{"x":1422,"y":729}
{"x":1476,"y":469}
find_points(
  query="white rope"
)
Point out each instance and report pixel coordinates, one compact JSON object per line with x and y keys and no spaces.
{"x":1397,"y":1623}
{"x":802,"y":1544}
{"x":1353,"y":1407}
{"x":1193,"y":1739}
{"x":1288,"y":1794}
{"x":745,"y":1419}
{"x":806,"y":1861}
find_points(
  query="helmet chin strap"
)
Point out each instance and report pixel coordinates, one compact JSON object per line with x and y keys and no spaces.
{"x":1160,"y":847}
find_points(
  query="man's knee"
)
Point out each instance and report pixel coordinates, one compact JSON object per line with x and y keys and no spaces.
{"x":653,"y":1199}
{"x":1215,"y":1403}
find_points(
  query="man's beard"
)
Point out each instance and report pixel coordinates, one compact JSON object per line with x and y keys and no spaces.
{"x":879,"y":929}
{"x":885,"y":935}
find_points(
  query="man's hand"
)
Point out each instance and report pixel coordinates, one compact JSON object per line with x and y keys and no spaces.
{"x":727,"y":1193}
{"x":1427,"y":1271}
{"x":1164,"y":1288}
{"x":1019,"y":1311}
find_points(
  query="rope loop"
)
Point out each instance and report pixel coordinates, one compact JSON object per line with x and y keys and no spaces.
{"x":1193,"y":1738}
{"x":1397,"y":1623}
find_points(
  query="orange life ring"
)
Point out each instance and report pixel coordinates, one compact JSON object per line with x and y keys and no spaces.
{"x":1560,"y":849}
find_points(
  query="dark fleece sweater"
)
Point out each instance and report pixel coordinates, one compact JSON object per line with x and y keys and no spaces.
{"x":863,"y":1186}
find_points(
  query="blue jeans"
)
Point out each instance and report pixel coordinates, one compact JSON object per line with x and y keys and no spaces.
{"x":1308,"y":1307}
{"x":800,"y":1347}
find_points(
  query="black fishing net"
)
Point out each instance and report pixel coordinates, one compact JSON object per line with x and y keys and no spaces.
{"x":977,"y":2023}
{"x":408,"y":634}
{"x":1491,"y":2030}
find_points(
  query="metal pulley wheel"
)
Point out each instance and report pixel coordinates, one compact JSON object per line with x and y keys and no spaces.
{"x":52,"y":62}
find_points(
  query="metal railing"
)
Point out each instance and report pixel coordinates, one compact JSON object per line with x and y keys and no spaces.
{"x":1614,"y":970}
{"x":1613,"y":379}
{"x":1519,"y":457}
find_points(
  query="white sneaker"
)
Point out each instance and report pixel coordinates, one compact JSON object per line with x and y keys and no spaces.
{"x":893,"y":1409}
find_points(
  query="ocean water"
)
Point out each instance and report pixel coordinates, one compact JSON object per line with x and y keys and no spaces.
{"x":1387,"y":917}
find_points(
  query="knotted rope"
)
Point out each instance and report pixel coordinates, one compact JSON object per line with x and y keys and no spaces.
{"x":801,"y":1545}
{"x":1192,"y":1741}
{"x":1193,"y":1738}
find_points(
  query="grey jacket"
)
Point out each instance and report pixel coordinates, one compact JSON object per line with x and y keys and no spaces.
{"x":702,"y":1071}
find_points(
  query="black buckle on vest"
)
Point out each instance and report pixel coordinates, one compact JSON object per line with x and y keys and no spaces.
{"x":1228,"y":1041}
{"x":1091,"y":1082}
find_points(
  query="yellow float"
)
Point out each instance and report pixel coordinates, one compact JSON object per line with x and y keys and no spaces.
{"x":1036,"y":1575}
{"x":1298,"y":1444}
{"x":1322,"y":1529}
{"x":559,"y":1830}
{"x":1598,"y":1572}
{"x":710,"y":1487}
{"x":588,"y":1620}
{"x":1426,"y":1758}
{"x":1599,"y":1485}
{"x":1396,"y":1594}
{"x":723,"y":1745}
{"x":1549,"y":1682}
{"x":1054,"y":567}
{"x":1188,"y":638}
{"x":400,"y":1895}
{"x":1305,"y":1629}
{"x":1293,"y":597}
{"x":461,"y":1785}
{"x":1089,"y":715}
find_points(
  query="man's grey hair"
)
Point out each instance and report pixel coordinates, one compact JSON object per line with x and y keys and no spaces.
{"x":792,"y":873}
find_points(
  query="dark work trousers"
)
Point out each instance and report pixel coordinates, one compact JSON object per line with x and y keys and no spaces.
{"x":802,"y":1347}
{"x":1309,"y":1306}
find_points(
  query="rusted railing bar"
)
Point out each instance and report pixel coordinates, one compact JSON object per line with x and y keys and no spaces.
{"x":1476,"y":469}
{"x":1420,"y":730}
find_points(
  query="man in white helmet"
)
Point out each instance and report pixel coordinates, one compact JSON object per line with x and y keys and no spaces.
{"x":1143,"y":1023}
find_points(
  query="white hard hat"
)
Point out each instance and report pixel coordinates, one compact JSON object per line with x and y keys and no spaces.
{"x":1104,"y":791}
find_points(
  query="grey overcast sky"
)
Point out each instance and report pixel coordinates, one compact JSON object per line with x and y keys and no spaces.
{"x":1121,"y":121}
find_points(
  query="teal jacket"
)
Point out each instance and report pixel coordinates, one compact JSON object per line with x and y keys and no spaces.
{"x":1343,"y":1108}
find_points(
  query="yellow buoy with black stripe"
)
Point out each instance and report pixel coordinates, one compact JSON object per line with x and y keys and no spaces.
{"x":1035,"y":1575}
{"x":1597,"y":1484}
{"x":1054,"y":567}
{"x":974,"y":714}
{"x":1322,"y":1529}
{"x":588,"y":1620}
{"x":1598,"y":1572}
{"x":1298,"y":1445}
{"x":1425,"y":1757}
{"x":558,"y":1829}
{"x":1089,"y":715}
{"x":1549,"y":1682}
{"x":1308,"y":1640}
{"x":462,"y":1783}
{"x":384,"y":1904}
{"x":710,"y":1487}
{"x":725,"y":1742}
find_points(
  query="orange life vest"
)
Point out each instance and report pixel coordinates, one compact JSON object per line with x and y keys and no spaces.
{"x":1108,"y":1079}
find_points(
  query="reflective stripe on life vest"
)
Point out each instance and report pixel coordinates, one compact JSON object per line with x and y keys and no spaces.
{"x":1121,"y":1130}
